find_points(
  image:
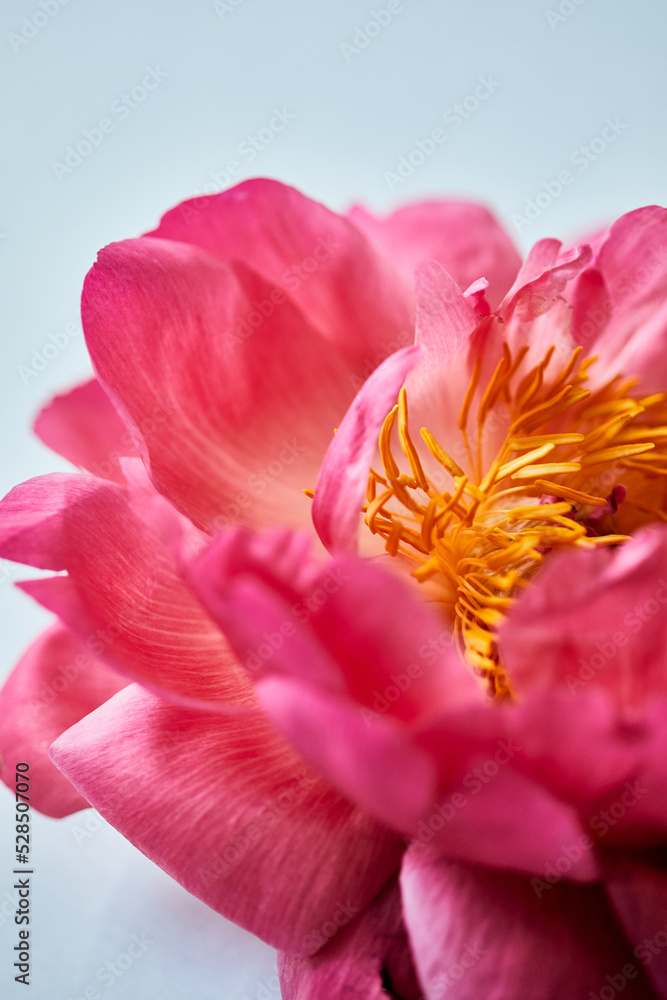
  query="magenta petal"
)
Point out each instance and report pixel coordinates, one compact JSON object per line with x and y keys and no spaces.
{"x":123,"y":589}
{"x":463,"y":238}
{"x":638,"y":892}
{"x":330,"y":631}
{"x":237,"y":405}
{"x":55,"y":683}
{"x":83,"y":426}
{"x":477,"y":821}
{"x":352,"y":296}
{"x":32,"y":515}
{"x":596,"y":632}
{"x":370,"y":953}
{"x":344,"y":677}
{"x":341,"y":484}
{"x":476,"y":933}
{"x":226,"y":808}
{"x":374,"y":765}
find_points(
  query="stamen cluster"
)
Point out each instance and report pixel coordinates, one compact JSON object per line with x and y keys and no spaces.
{"x":480,"y":540}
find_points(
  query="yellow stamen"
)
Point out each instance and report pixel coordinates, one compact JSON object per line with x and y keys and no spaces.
{"x":480,"y":543}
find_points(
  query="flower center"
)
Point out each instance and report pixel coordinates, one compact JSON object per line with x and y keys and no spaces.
{"x":477,"y":536}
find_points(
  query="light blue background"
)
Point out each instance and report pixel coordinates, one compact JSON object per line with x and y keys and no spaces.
{"x":556,"y":79}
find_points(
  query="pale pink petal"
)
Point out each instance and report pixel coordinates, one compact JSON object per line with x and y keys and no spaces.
{"x":633,"y":263}
{"x":351,"y":295}
{"x":343,"y":477}
{"x":464,"y":238}
{"x":445,"y":318}
{"x":226,"y":808}
{"x":543,"y":278}
{"x":56,"y":682}
{"x":123,"y":585}
{"x":83,"y":426}
{"x":541,"y":256}
{"x":476,"y":933}
{"x":243,"y":419}
{"x":638,"y":892}
{"x":366,"y":958}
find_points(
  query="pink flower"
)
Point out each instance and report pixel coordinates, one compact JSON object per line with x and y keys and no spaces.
{"x":432,"y":758}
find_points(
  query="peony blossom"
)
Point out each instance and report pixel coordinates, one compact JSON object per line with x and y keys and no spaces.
{"x":399,"y":692}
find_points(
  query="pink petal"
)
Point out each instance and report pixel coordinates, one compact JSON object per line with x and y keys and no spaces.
{"x":56,"y":682}
{"x":638,"y":892}
{"x":350,"y":294}
{"x":31,"y":518}
{"x":476,"y":295}
{"x":579,"y":748}
{"x":543,"y":278}
{"x":499,"y":817}
{"x":370,"y":953}
{"x":123,"y":586}
{"x":83,"y":426}
{"x":445,"y":319}
{"x":343,"y":477}
{"x":478,"y":933}
{"x":592,"y":308}
{"x":633,"y":263}
{"x":342,"y":676}
{"x":244,"y":420}
{"x":375,"y":766}
{"x":254,"y":582}
{"x":464,"y":238}
{"x":226,"y":808}
{"x":605,"y":629}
